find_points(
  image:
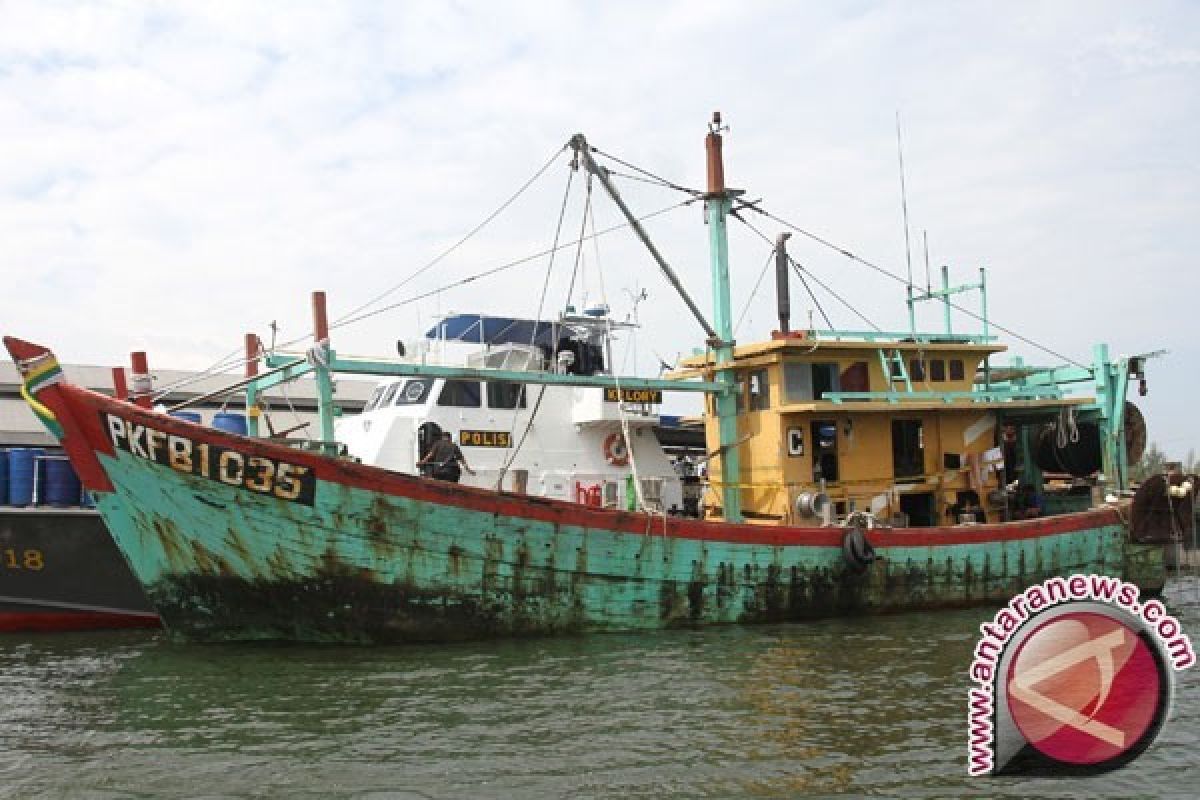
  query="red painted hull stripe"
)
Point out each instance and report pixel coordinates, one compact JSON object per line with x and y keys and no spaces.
{"x":78,"y":410}
{"x":72,"y":621}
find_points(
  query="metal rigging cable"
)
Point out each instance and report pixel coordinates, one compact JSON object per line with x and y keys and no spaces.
{"x":898,"y":279}
{"x":800,"y":272}
{"x":508,"y":461}
{"x":754,"y":291}
{"x":541,"y":171}
{"x":489,"y":272}
{"x":654,"y":178}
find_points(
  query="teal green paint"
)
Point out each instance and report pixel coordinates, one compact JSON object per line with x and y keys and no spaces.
{"x":251,"y":410}
{"x":525,"y":576}
{"x":895,"y":336}
{"x":324,"y":380}
{"x":292,"y":369}
{"x":944,"y":294}
{"x":994,"y":395}
{"x":718,"y":241}
{"x":386,"y":368}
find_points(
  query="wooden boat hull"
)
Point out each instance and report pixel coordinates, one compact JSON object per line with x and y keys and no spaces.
{"x":237,"y":538}
{"x":61,"y":571}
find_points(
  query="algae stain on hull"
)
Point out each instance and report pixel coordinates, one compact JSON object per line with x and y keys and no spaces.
{"x":359,"y":567}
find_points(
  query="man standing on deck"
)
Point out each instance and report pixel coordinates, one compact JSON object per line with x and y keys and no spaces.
{"x":445,"y":457}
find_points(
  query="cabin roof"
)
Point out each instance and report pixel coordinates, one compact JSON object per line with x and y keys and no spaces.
{"x":804,"y":345}
{"x":481,"y":329}
{"x":929,"y":404}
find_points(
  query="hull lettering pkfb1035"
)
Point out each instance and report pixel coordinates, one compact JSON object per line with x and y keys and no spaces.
{"x":259,"y":474}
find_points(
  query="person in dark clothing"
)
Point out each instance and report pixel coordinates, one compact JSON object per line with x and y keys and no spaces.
{"x":445,"y":457}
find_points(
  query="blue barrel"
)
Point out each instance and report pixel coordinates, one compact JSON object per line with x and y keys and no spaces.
{"x":22,"y":461}
{"x":190,"y":416}
{"x":230,"y":421}
{"x":61,"y":486}
{"x":3,"y":475}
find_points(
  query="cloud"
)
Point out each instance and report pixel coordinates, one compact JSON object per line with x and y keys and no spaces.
{"x":175,"y":175}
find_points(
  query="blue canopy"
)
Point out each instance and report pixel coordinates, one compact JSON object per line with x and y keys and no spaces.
{"x":493,"y":330}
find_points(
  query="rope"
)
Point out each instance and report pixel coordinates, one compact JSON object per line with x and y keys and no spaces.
{"x":587,"y":205}
{"x":508,"y":461}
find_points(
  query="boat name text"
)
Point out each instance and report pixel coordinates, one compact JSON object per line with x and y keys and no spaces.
{"x":484,"y":439}
{"x":611,"y":395}
{"x":23,"y":559}
{"x":258,"y":474}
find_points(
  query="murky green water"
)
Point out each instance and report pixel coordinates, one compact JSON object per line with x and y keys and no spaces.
{"x":865,"y":707}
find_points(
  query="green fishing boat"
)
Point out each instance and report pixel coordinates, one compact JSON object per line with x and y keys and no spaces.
{"x":847,"y":473}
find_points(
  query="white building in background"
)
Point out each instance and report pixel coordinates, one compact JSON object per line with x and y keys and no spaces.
{"x":298,"y":407}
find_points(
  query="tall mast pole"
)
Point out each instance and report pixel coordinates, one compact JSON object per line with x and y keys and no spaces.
{"x":718,"y":203}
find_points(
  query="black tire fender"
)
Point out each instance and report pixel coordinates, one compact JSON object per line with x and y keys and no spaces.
{"x":857,"y":549}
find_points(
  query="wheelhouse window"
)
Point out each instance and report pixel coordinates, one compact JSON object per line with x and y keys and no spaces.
{"x":856,"y":378}
{"x":386,"y":400}
{"x":414,"y":392}
{"x":916,"y":369}
{"x":956,"y":369}
{"x":505,"y":394}
{"x":937,"y":370}
{"x":461,"y":394}
{"x":824,"y":379}
{"x":797,"y":382}
{"x":374,"y":401}
{"x":760,"y":393}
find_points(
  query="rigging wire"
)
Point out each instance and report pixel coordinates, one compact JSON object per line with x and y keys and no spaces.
{"x":224,"y":362}
{"x":656,"y":178}
{"x":493,"y":271}
{"x":508,"y":461}
{"x":897,"y":278}
{"x":801,"y":271}
{"x":503,"y":206}
{"x":587,"y":205}
{"x":344,"y":321}
{"x":754,"y":291}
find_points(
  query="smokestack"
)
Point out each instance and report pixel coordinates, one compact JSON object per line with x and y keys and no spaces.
{"x":781,"y":282}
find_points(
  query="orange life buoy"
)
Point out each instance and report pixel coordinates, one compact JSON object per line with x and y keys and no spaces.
{"x":615,"y":450}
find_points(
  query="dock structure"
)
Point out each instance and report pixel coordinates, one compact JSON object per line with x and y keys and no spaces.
{"x":20,"y":428}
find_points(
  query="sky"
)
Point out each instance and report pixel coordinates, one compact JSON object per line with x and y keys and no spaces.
{"x":173,"y":175}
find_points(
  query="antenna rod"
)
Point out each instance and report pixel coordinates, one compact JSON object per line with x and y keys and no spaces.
{"x":580,"y":145}
{"x":904,"y":212}
{"x":928,"y":282}
{"x":782,"y":295}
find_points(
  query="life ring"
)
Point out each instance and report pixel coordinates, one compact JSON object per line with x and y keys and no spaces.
{"x":616,"y":452}
{"x":857,"y":550}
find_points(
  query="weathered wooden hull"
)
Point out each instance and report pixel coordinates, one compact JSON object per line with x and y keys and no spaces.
{"x":61,"y":571}
{"x":360,"y":554}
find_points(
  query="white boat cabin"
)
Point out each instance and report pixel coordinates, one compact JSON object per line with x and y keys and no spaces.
{"x":588,"y":445}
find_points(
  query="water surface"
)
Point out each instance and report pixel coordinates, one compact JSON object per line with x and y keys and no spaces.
{"x":872,"y":706}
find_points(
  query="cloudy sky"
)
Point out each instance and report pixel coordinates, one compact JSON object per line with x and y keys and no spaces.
{"x":174,"y":174}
